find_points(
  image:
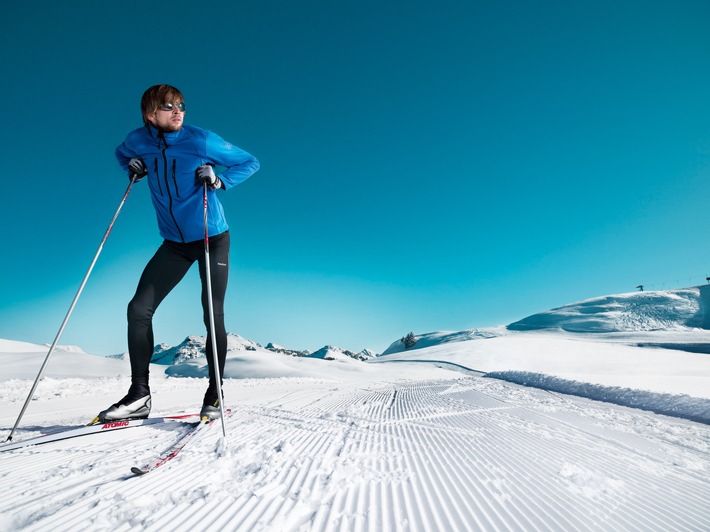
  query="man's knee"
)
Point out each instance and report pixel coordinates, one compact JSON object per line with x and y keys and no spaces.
{"x":139,"y":312}
{"x":218,"y":319}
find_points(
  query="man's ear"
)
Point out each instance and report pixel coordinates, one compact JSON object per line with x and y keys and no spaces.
{"x":151,"y":118}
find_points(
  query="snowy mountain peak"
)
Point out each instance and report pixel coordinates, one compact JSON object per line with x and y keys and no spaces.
{"x":275,"y":348}
{"x":330,"y":352}
{"x":239,"y":343}
{"x":631,"y":312}
{"x":327,"y":352}
{"x":367,"y":354}
{"x":192,"y":347}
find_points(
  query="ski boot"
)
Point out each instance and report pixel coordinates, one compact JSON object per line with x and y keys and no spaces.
{"x":135,"y":405}
{"x":210,"y":405}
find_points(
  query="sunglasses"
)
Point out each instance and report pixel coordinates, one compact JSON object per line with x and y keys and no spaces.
{"x":170,"y":106}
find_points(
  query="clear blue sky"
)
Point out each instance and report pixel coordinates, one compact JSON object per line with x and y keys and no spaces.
{"x":425,"y":165}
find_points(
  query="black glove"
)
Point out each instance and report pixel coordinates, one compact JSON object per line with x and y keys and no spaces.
{"x":137,"y":169}
{"x":205,"y":174}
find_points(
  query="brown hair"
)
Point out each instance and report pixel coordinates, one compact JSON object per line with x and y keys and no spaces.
{"x":157,"y":95}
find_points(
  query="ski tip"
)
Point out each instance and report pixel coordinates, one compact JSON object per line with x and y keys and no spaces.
{"x":138,"y":471}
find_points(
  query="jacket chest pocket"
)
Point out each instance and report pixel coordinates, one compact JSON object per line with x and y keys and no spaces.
{"x":156,"y":171}
{"x":165,"y":170}
{"x":174,"y":178}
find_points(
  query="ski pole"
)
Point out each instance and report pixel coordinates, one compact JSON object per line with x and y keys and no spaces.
{"x":215,"y":357}
{"x":71,"y":309}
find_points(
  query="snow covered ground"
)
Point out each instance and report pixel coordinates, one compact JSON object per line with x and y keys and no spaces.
{"x":441,"y":436}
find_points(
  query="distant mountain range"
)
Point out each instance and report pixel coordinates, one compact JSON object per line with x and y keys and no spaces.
{"x":665,"y":310}
{"x":194,"y":347}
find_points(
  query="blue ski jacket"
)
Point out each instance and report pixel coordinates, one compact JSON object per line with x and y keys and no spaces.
{"x":172,"y":159}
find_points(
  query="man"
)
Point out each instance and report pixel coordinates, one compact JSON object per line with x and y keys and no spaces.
{"x":178,"y":161}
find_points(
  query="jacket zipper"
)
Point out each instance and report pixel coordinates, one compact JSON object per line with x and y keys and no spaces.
{"x":170,"y":196}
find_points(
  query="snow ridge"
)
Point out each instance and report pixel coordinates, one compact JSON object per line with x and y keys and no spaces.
{"x":438,"y":338}
{"x":682,"y":406}
{"x":636,"y":311}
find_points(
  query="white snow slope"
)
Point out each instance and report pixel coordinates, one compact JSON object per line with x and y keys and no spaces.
{"x":417,"y":439}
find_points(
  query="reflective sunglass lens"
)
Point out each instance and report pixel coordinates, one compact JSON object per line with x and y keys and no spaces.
{"x":169,"y":106}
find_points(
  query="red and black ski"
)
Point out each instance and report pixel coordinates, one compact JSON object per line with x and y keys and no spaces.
{"x":91,"y":429}
{"x":173,"y":450}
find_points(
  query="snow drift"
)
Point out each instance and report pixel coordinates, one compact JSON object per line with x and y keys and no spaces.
{"x":637,"y":311}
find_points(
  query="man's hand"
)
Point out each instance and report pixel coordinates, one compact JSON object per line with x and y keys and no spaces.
{"x":137,"y":169}
{"x":205,"y":174}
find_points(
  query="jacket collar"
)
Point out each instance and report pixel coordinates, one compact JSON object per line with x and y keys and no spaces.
{"x":168,"y":136}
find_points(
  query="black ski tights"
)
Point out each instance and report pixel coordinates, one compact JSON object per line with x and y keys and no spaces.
{"x":162,"y":273}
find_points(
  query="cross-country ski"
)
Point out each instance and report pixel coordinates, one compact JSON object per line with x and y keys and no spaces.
{"x":172,"y":450}
{"x":93,"y":428}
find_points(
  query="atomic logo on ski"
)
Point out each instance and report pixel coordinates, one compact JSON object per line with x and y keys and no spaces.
{"x":115,"y":424}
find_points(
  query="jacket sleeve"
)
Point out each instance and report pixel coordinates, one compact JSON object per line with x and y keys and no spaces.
{"x":124,"y":155}
{"x":239,"y":164}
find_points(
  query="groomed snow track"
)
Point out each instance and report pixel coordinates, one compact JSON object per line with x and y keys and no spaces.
{"x":462,"y":454}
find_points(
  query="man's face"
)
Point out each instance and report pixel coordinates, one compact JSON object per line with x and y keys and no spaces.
{"x":169,"y":116}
